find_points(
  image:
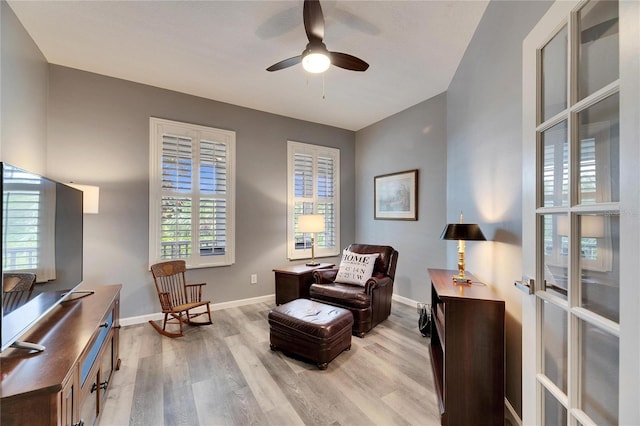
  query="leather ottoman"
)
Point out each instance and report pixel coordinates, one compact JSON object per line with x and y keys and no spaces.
{"x":312,"y":330}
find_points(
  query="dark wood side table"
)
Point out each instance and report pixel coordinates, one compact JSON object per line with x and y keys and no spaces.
{"x":467,"y":350}
{"x":293,"y":282}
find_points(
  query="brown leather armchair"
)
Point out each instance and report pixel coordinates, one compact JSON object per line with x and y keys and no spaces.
{"x":370,"y":304}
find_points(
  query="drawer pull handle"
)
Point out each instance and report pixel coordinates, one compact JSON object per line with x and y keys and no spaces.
{"x":104,"y":384}
{"x":80,"y":423}
{"x":94,"y":387}
{"x":104,"y":324}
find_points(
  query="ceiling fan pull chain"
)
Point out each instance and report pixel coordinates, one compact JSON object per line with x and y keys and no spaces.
{"x":323,"y":92}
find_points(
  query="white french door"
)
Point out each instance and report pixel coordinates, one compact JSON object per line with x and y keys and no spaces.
{"x":581,"y":214}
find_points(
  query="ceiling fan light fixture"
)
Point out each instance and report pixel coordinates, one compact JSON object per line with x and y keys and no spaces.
{"x":316,"y":58}
{"x":316,"y":63}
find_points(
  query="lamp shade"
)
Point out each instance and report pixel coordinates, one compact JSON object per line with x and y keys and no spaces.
{"x":591,"y":226}
{"x":90,"y":198}
{"x":462,"y":231}
{"x":311,"y":223}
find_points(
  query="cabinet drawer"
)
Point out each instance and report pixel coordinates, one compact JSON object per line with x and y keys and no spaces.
{"x":91,"y":356}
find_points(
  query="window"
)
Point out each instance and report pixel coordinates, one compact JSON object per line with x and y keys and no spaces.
{"x":191,"y":190}
{"x":313,"y":188}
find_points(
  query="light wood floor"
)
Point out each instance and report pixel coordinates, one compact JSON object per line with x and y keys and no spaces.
{"x":225,"y":374}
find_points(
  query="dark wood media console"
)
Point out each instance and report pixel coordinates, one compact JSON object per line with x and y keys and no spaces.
{"x":467,"y":350}
{"x":68,"y":382}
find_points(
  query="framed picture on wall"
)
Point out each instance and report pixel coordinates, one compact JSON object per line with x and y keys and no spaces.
{"x":395,"y":196}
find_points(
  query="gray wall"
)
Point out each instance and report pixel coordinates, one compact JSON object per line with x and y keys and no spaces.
{"x":412,"y":139}
{"x":23,"y":91}
{"x":484,"y":117}
{"x":99,"y":134}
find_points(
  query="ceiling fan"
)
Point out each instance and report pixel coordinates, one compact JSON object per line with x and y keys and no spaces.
{"x":316,"y":58}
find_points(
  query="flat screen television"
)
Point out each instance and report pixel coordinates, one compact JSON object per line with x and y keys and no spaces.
{"x":41,"y":235}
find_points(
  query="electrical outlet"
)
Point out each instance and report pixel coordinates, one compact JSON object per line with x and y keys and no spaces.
{"x":254,"y":278}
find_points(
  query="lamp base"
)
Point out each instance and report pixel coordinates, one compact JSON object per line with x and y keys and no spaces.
{"x":312,"y":263}
{"x":461,"y":281}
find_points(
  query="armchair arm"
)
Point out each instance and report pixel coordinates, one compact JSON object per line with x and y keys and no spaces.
{"x":194,"y":292}
{"x":325,"y":276}
{"x":377,"y":282}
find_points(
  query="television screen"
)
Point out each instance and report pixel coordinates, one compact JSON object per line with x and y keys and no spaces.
{"x":41,"y":239}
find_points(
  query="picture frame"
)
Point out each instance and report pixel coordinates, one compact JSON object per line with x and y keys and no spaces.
{"x":395,"y":196}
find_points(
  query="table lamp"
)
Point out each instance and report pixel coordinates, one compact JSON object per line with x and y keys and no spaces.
{"x":311,"y":223}
{"x":462,"y":232}
{"x":90,"y":198}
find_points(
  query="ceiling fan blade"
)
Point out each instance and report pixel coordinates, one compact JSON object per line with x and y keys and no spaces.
{"x":286,"y":63}
{"x":313,"y":20}
{"x":348,"y":62}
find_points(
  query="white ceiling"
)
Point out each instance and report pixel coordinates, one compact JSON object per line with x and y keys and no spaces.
{"x":220,"y":49}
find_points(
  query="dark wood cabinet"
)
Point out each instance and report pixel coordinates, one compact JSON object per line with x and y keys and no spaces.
{"x":467,"y":350}
{"x":67,"y":383}
{"x":293,"y":282}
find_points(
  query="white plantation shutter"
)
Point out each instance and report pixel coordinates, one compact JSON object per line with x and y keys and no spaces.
{"x":303,"y":170}
{"x":191,"y":190}
{"x":176,"y":205}
{"x":326,"y":178}
{"x":313,"y":188}
{"x":213,"y":205}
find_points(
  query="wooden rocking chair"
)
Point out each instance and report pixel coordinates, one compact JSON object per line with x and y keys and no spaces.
{"x":176,"y":297}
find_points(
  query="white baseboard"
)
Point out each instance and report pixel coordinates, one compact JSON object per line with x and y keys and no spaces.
{"x":141,"y":319}
{"x":405,"y":300}
{"x":214,"y":307}
{"x":270,"y":298}
{"x":511,"y":415}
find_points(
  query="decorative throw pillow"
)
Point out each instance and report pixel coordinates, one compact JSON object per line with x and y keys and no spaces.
{"x":356,"y":268}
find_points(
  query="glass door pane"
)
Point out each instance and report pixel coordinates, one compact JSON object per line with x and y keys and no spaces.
{"x":598,"y":53}
{"x":555,"y":164}
{"x":600,"y":264}
{"x":599,"y":147}
{"x":599,"y":365}
{"x":554,"y":75}
{"x":555,"y":231}
{"x":555,"y":344}
{"x":554,"y":412}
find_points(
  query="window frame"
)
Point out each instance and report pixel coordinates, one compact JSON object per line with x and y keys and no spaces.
{"x":157,"y":129}
{"x":293,"y":148}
